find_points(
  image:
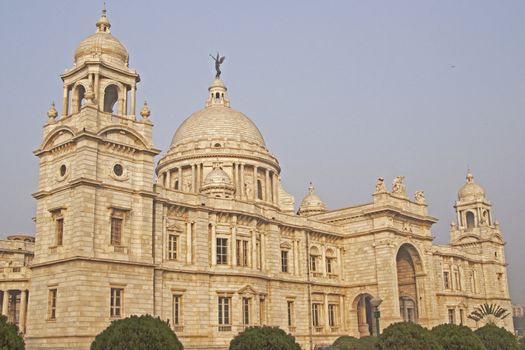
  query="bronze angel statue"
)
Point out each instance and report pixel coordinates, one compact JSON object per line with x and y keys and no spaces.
{"x":218,"y":61}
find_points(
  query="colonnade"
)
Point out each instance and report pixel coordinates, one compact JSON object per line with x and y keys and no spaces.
{"x":14,"y":314}
{"x":268,"y":179}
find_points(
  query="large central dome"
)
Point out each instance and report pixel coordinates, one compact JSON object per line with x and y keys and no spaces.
{"x":217,"y":122}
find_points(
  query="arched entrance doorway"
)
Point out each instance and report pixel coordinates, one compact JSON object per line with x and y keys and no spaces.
{"x":365,"y":315}
{"x":408,"y":263}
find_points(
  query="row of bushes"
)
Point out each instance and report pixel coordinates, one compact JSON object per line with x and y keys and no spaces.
{"x":411,"y":336}
{"x":146,"y":332}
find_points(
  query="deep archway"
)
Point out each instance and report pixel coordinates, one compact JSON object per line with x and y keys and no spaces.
{"x":365,"y":316}
{"x":408,"y":263}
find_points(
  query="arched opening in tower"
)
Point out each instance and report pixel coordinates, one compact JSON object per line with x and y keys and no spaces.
{"x":110,"y":98}
{"x":406,"y":260}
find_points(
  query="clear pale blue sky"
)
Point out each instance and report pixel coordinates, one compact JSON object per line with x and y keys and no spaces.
{"x":343,"y":92}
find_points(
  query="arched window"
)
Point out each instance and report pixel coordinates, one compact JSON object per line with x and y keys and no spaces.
{"x":470,"y":219}
{"x":314,"y":257}
{"x":110,"y":98}
{"x":176,"y":186}
{"x":259,"y":190}
{"x":80,"y":91}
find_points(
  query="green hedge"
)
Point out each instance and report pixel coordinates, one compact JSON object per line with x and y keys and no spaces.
{"x":264,"y":338}
{"x":137,"y":333}
{"x":407,"y":336}
{"x":10,"y":338}
{"x":495,"y":338}
{"x":454,"y":337}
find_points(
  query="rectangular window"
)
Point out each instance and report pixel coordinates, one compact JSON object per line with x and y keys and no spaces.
{"x":332,"y":315}
{"x":116,"y":302}
{"x":451,"y":316}
{"x":172,"y":247}
{"x":59,"y":231}
{"x":224,"y":314}
{"x":461,"y":317}
{"x":329,"y":265}
{"x":116,"y":231}
{"x":290,"y":313}
{"x":313,"y":263}
{"x":177,"y":310}
{"x":242,"y":252}
{"x":316,"y":315}
{"x":258,"y":252}
{"x":284,"y":261}
{"x":446,"y":279}
{"x":222,"y":251}
{"x":246,"y":311}
{"x":52,"y":304}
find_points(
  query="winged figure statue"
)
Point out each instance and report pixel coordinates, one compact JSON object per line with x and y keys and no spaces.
{"x":218,"y":61}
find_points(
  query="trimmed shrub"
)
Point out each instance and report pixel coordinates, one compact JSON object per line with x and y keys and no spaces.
{"x":496,"y":338}
{"x":137,"y":332}
{"x":263,"y":338}
{"x":407,"y":336}
{"x":10,"y":338}
{"x":344,"y":342}
{"x":454,"y":337}
{"x":366,"y":343}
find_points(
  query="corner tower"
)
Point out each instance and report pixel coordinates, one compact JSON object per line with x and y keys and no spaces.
{"x":94,"y":201}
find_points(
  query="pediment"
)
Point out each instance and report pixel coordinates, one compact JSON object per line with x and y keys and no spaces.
{"x":247,"y":290}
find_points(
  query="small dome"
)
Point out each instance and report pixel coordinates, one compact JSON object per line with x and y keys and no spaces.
{"x":311,"y":204}
{"x":471,"y":190}
{"x":217,"y":183}
{"x":102,"y":44}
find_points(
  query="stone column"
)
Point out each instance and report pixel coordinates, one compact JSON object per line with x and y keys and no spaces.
{"x":267,"y":186}
{"x":275,"y":188}
{"x":234,"y":241}
{"x":198,"y":183}
{"x":242,"y":181}
{"x":65,"y":101}
{"x":193,"y":185}
{"x":234,"y":180}
{"x":339,"y":263}
{"x":179,"y":175}
{"x":326,"y":323}
{"x":213,"y":245}
{"x":133,"y":99}
{"x":296,"y":257}
{"x":342,"y":312}
{"x":188,"y":242}
{"x":96,"y":90}
{"x":168,"y":179}
{"x":323,"y":262}
{"x":255,"y":187}
{"x":23,"y":311}
{"x":254,"y":250}
{"x":5,"y":302}
{"x":263,"y":251}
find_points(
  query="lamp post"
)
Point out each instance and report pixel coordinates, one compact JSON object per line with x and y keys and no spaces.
{"x":375,"y":302}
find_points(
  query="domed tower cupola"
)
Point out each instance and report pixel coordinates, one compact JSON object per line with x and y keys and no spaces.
{"x":217,"y":96}
{"x":473,"y":209}
{"x":217,"y":183}
{"x":311,"y":204}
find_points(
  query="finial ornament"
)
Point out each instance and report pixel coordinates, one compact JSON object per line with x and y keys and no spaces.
{"x":103,"y":24}
{"x":145,"y":112}
{"x":52,"y":112}
{"x":470,"y":177}
{"x":218,"y":61}
{"x":311,"y":188}
{"x":420,"y":197}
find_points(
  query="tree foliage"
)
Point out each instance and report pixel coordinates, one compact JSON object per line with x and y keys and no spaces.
{"x":137,"y":332}
{"x":496,"y":338}
{"x":366,"y":343}
{"x":344,"y":342}
{"x":407,"y":336}
{"x":264,"y":338}
{"x":490,"y":313}
{"x":454,"y":337}
{"x":10,"y":338}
